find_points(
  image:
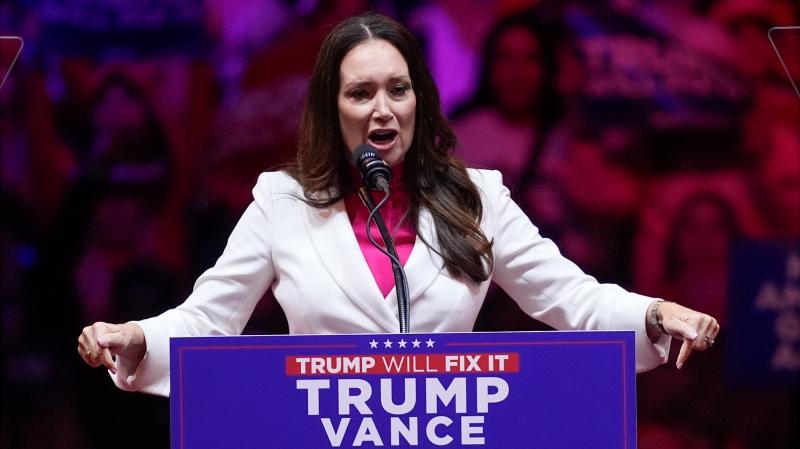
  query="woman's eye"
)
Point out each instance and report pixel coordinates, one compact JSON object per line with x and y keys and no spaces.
{"x":400,"y":89}
{"x":358,"y":94}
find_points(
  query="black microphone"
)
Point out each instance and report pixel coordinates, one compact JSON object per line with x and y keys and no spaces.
{"x":377,"y":175}
{"x":376,"y":172}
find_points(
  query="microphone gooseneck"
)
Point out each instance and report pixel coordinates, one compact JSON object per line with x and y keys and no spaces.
{"x":376,"y":172}
{"x":400,"y":278}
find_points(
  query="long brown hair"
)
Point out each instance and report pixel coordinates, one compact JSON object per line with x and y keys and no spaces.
{"x":434,"y":179}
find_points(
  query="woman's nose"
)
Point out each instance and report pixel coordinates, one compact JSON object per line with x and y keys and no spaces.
{"x":382,"y":110}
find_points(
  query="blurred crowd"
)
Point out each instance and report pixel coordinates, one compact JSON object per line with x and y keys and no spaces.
{"x":645,"y":137}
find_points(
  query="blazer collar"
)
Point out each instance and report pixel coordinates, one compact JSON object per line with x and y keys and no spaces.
{"x":332,"y":235}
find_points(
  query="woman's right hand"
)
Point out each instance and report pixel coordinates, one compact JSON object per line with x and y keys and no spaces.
{"x":100,"y":342}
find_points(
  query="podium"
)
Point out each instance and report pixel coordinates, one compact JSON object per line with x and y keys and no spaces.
{"x":504,"y":390}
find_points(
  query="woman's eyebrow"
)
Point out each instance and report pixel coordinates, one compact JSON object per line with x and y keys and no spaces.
{"x":404,"y":78}
{"x":357,"y":84}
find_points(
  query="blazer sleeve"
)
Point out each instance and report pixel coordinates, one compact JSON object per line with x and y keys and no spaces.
{"x":221,"y":302}
{"x":551,"y":288}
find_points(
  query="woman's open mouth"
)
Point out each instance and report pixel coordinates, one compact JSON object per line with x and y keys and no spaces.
{"x":383,"y":138}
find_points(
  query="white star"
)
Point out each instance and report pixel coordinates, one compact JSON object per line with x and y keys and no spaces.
{"x":387,"y":343}
{"x":415,"y":343}
{"x":373,"y":344}
{"x":401,"y":343}
{"x":429,"y":343}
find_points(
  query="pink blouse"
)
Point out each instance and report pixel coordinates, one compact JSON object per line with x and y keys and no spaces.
{"x":393,"y":211}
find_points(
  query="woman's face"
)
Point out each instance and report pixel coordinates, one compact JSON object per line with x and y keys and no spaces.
{"x":516,"y":72}
{"x":376,"y":100}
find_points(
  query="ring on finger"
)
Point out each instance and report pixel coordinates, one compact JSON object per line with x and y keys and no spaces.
{"x":709,"y":340}
{"x":87,"y":353}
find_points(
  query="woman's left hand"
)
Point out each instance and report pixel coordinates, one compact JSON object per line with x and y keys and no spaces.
{"x":696,"y":330}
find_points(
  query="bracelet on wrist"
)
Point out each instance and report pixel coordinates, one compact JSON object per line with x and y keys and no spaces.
{"x":656,"y":321}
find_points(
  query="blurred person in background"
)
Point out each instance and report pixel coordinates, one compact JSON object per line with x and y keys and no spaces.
{"x":576,"y":181}
{"x":505,"y":124}
{"x":515,"y":103}
{"x":119,"y":182}
{"x":102,"y":255}
{"x":697,"y":253}
{"x":700,"y":228}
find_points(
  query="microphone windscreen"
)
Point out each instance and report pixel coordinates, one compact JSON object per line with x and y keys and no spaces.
{"x":363,"y":153}
{"x":376,"y":172}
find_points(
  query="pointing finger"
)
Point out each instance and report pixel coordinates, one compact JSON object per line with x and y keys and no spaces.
{"x":686,"y":349}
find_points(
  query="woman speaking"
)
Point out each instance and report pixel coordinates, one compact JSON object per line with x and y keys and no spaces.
{"x":455,"y":230}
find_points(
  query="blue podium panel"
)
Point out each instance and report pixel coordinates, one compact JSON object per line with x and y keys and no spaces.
{"x":542,"y":390}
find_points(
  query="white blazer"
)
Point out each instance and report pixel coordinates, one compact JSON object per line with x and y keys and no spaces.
{"x":318,"y":274}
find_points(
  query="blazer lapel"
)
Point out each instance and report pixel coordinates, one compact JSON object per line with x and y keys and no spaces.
{"x":332,"y":235}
